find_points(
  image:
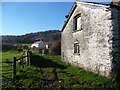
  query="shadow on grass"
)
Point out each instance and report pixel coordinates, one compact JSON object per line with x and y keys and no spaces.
{"x":42,"y":62}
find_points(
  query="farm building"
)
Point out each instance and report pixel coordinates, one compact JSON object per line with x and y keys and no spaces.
{"x":91,"y":38}
{"x":38,"y":44}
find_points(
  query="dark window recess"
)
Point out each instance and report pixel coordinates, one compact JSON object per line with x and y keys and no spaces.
{"x":76,"y":48}
{"x":77,"y":22}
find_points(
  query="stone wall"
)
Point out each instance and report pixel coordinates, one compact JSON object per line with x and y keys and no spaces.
{"x":99,"y":22}
{"x":115,"y":43}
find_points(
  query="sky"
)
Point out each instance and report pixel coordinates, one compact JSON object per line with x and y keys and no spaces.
{"x":25,"y":17}
{"x":19,"y":18}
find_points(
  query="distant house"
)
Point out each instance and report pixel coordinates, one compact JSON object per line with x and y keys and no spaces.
{"x":38,"y":44}
{"x":48,"y":46}
{"x":91,"y":38}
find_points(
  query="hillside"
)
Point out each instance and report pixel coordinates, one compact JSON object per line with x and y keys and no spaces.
{"x":47,"y":36}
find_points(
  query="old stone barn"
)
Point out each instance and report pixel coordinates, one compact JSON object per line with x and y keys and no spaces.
{"x":91,"y":38}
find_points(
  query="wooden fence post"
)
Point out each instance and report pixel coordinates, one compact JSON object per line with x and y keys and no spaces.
{"x":22,"y":62}
{"x":26,"y":53}
{"x":30,"y":53}
{"x":28,"y":58}
{"x":14,"y":67}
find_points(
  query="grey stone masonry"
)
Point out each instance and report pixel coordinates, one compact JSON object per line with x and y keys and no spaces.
{"x":98,"y":38}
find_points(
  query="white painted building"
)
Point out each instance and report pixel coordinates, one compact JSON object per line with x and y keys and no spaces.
{"x":38,"y":44}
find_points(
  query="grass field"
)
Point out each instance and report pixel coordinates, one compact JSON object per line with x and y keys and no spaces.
{"x":47,"y":71}
{"x":24,"y":44}
{"x":7,"y":59}
{"x":9,"y":55}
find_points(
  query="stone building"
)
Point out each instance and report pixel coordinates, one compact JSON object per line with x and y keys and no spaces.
{"x":91,"y":38}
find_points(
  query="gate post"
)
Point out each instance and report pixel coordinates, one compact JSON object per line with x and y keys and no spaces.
{"x":22,"y":62}
{"x":14,"y":66}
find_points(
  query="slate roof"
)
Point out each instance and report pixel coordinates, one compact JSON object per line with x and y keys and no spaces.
{"x":37,"y":42}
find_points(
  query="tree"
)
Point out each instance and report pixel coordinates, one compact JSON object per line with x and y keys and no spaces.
{"x":56,"y":48}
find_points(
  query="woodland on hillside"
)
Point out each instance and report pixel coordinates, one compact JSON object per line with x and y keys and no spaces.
{"x":47,"y":36}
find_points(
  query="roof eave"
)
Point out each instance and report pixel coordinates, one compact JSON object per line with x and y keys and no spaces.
{"x":75,"y":5}
{"x":94,"y":3}
{"x":72,"y":10}
{"x":69,"y":15}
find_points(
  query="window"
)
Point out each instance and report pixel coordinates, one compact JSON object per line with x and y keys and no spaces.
{"x":76,"y":48}
{"x":77,"y":22}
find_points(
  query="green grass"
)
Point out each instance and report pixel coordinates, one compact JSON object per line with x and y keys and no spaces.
{"x":78,"y":86}
{"x":48,"y":71}
{"x":90,"y":78}
{"x":8,"y":56}
{"x":23,"y":44}
{"x":66,"y":79}
{"x":29,"y":76}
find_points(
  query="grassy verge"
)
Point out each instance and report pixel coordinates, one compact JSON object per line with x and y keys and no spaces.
{"x":88,"y":78}
{"x":47,"y":71}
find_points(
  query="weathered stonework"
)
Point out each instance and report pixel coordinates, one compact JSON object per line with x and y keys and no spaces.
{"x":99,"y":38}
